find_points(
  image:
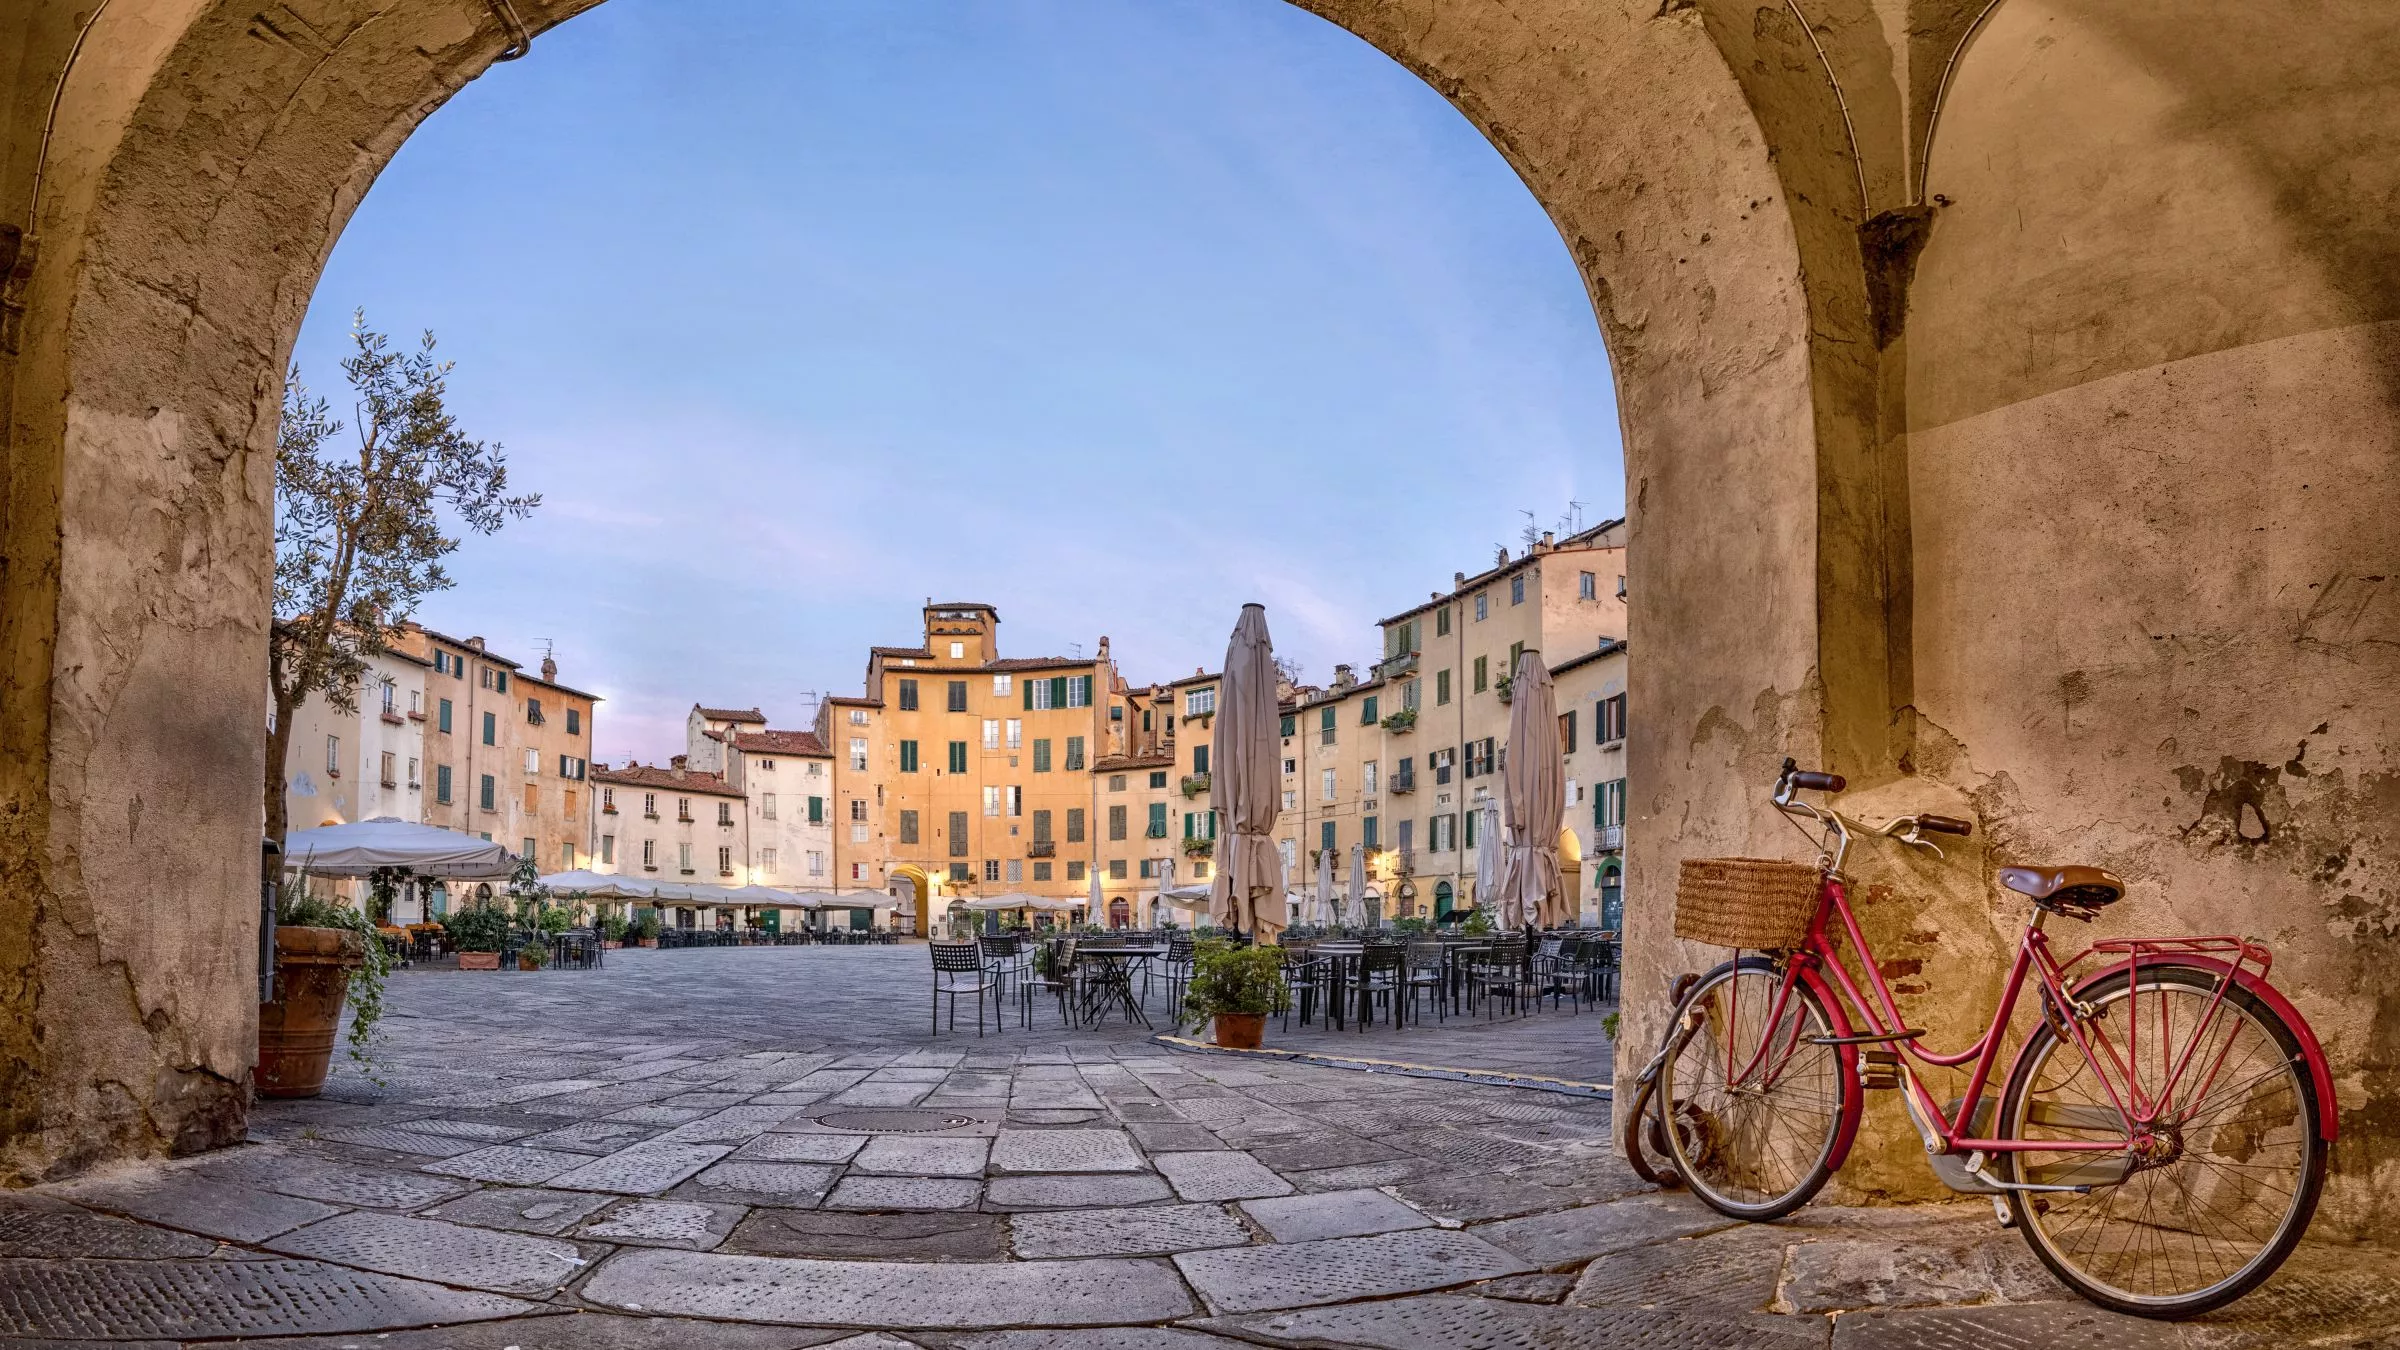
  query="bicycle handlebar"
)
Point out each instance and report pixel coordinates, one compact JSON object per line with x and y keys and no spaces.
{"x":1818,"y":782}
{"x":1945,"y":825}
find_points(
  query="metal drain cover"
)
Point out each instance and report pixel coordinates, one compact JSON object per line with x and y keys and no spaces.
{"x":899,"y":1120}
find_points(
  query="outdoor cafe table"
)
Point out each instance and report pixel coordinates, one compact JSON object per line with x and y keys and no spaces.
{"x":1115,"y":968}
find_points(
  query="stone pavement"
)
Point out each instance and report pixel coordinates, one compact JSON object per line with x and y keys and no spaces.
{"x":543,"y":1171}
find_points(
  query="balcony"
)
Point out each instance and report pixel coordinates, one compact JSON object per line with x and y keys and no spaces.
{"x":1194,"y":784}
{"x":1042,"y":848}
{"x":1195,"y":847}
{"x":1612,"y":838}
{"x":1401,"y":722}
{"x":393,"y":718}
{"x":1398,"y":665}
{"x":1404,"y":862}
{"x":1401,"y":783}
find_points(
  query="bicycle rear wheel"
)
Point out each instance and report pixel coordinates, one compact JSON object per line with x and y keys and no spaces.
{"x":1753,"y":1109}
{"x":2232,"y":1179}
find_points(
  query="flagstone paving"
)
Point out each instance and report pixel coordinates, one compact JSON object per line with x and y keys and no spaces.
{"x":763,"y":1150}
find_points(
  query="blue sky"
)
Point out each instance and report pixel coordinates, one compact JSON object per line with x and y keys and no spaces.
{"x":798,"y":314}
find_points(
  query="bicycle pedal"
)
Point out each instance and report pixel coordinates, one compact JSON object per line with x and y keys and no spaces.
{"x":1878,"y":1069}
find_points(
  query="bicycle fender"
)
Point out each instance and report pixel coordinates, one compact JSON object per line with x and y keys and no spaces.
{"x":1854,"y":1096}
{"x":2266,"y":993}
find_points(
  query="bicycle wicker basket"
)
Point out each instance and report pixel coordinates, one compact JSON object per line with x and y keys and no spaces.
{"x":1759,"y":903}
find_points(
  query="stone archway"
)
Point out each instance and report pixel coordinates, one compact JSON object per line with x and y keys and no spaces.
{"x":2088,"y":539}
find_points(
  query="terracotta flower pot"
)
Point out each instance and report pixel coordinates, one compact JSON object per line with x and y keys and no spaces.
{"x":1241,"y":1031}
{"x":646,"y":942}
{"x":525,"y":962}
{"x":296,"y":1029}
{"x":479,"y":960}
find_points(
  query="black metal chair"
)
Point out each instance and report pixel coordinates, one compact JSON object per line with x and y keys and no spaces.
{"x":1304,"y":976}
{"x":1497,"y":973}
{"x":958,"y":969}
{"x":1382,"y":974}
{"x":1428,"y":969}
{"x":1052,"y":971}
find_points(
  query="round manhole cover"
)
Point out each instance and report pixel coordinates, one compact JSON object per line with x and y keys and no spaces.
{"x":898,"y":1120}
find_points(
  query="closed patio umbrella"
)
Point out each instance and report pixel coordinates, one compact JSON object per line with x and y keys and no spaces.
{"x":1533,"y":795}
{"x":1321,"y":907}
{"x":1487,"y":860}
{"x":1244,"y":779}
{"x":1357,"y":907}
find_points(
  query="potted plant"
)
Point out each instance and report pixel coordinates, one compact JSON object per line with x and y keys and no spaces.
{"x":326,"y":955}
{"x":1402,"y":721}
{"x":1477,"y":924}
{"x":1237,"y":988}
{"x":645,"y":929}
{"x":1199,"y":846}
{"x":613,"y":929}
{"x":535,"y":953}
{"x":476,"y":933}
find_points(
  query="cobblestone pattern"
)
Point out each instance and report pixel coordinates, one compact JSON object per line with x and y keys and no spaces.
{"x":823,"y":1174}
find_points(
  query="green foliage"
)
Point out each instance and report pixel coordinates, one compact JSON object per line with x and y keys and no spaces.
{"x":614,"y":927}
{"x":554,"y":920}
{"x":478,"y":928}
{"x":534,"y":953}
{"x":1478,"y":923}
{"x":296,"y":908}
{"x":525,"y":888}
{"x":645,"y":928}
{"x":1608,"y":1024}
{"x":1230,"y":980}
{"x":1411,"y":926}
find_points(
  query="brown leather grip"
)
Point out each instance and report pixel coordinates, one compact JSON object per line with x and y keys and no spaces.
{"x":1945,"y":825}
{"x":1817,"y":782}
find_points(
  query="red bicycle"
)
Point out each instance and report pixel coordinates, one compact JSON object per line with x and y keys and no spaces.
{"x":2162,"y":1134}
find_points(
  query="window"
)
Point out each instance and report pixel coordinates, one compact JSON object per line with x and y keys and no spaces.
{"x":1441,"y":762}
{"x":533,"y":798}
{"x":1074,"y":824}
{"x":1481,"y":758}
{"x":1473,"y":818}
{"x":1041,"y":754}
{"x":908,"y":827}
{"x":991,"y":801}
{"x":959,"y":873}
{"x":608,"y":801}
{"x":1441,"y":688}
{"x":650,"y":805}
{"x":858,"y":717}
{"x":391,"y":699}
{"x":858,"y":834}
{"x":1158,"y":778}
{"x":1574,"y":792}
{"x":766,"y":806}
{"x":333,"y":756}
{"x":1328,"y":779}
{"x":1482,"y":673}
{"x":1325,"y":727}
{"x":1079,"y":691}
{"x":1441,"y":622}
{"x":533,"y":710}
{"x":991,"y":869}
{"x":725,"y":813}
{"x":1608,"y":720}
{"x":766,"y":861}
{"x":1199,"y":762}
{"x":1327,"y":833}
{"x":1074,"y":754}
{"x":767,"y":765}
{"x":1149,"y":868}
{"x":1200,"y":701}
{"x":1404,"y":835}
{"x":958,"y":691}
{"x":858,"y":753}
{"x":1290,"y":851}
{"x":1000,"y":685}
{"x":490,"y":798}
{"x":1116,"y":821}
{"x":567,"y":803}
{"x":566,"y":855}
{"x":500,"y":681}
{"x":1016,"y":733}
{"x":1367,"y":834}
{"x":1366,"y":711}
{"x":1566,"y":732}
{"x":1116,"y":782}
{"x":531,"y":848}
{"x":1483,"y":601}
{"x":491,"y":728}
{"x":683,"y":809}
{"x":908,"y":696}
{"x":1041,"y":695}
{"x":1516,"y":655}
{"x":1587,"y":586}
{"x":958,"y":756}
{"x":1516,"y":589}
{"x":1290,"y":766}
{"x":1291,"y":799}
{"x":574,"y":721}
{"x":441,"y":783}
{"x":1016,"y":869}
{"x":1158,"y":821}
{"x":533,"y":761}
{"x":908,"y":756}
{"x":724,"y":860}
{"x":1199,"y":824}
{"x":1441,"y":834}
{"x":388,"y":764}
{"x":1016,"y":800}
{"x":650,"y":854}
{"x":958,"y":841}
{"x":442,"y":717}
{"x":1116,"y":869}
{"x":1608,"y":803}
{"x":1041,"y":827}
{"x":816,"y":862}
{"x":816,"y":810}
{"x":991,"y":733}
{"x":1290,"y":725}
{"x":608,"y":849}
{"x":1075,"y":871}
{"x":858,"y":810}
{"x":958,"y":652}
{"x":1367,"y":779}
{"x":571,"y":767}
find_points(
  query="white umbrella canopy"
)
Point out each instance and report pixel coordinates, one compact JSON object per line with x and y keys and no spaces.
{"x":1321,"y":907}
{"x":363,"y":847}
{"x":1487,"y":860}
{"x":600,"y":885}
{"x":1533,"y":793}
{"x":1357,"y":911}
{"x":1244,"y":779}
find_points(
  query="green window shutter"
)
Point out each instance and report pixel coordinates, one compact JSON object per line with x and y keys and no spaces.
{"x":816,"y":810}
{"x":1366,"y":831}
{"x":445,"y":722}
{"x":1027,"y":686}
{"x":1199,"y":759}
{"x":1288,"y":723}
{"x":1471,"y":818}
{"x":1325,"y":836}
{"x":1074,"y":753}
{"x":908,"y":758}
{"x":1366,"y":715}
{"x":1212,"y":824}
{"x":1041,"y":754}
{"x":1058,"y":691}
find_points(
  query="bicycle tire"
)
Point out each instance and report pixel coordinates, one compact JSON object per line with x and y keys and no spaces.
{"x":1700,"y":1131}
{"x":1641,"y":1121}
{"x":2034,"y":1212}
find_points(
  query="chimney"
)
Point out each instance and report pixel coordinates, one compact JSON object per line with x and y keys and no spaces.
{"x":1103,"y":656}
{"x":676,"y":765}
{"x":475,"y":644}
{"x":1458,"y":581}
{"x":550,"y":669}
{"x":1343,"y":678}
{"x":1549,"y":541}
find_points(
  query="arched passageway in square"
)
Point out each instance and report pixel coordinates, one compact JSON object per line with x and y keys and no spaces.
{"x":2009,"y":424}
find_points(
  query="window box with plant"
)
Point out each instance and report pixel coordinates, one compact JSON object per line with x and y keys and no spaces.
{"x":1401,"y":722}
{"x":1502,"y":685}
{"x":1238,"y":988}
{"x":1199,"y":847}
{"x":1194,"y":784}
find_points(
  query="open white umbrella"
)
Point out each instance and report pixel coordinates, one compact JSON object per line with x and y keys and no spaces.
{"x":1244,"y":779}
{"x":600,"y":885}
{"x":364,"y":847}
{"x":1357,"y":909}
{"x":1533,"y":793}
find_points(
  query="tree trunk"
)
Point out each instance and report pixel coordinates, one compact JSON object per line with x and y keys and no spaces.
{"x":279,"y":745}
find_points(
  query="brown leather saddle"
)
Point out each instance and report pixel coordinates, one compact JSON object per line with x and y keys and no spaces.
{"x":2079,"y":891}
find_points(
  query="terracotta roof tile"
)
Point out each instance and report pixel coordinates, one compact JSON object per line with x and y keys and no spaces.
{"x":732,"y":714}
{"x":651,"y":776}
{"x":802,"y":743}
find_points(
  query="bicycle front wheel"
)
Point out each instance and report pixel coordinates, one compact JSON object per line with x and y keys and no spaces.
{"x":1753,"y":1107}
{"x":2233,"y":1168}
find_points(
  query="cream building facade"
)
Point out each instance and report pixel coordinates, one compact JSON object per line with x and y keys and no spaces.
{"x":673,"y":824}
{"x":1591,"y":692}
{"x":507,"y":751}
